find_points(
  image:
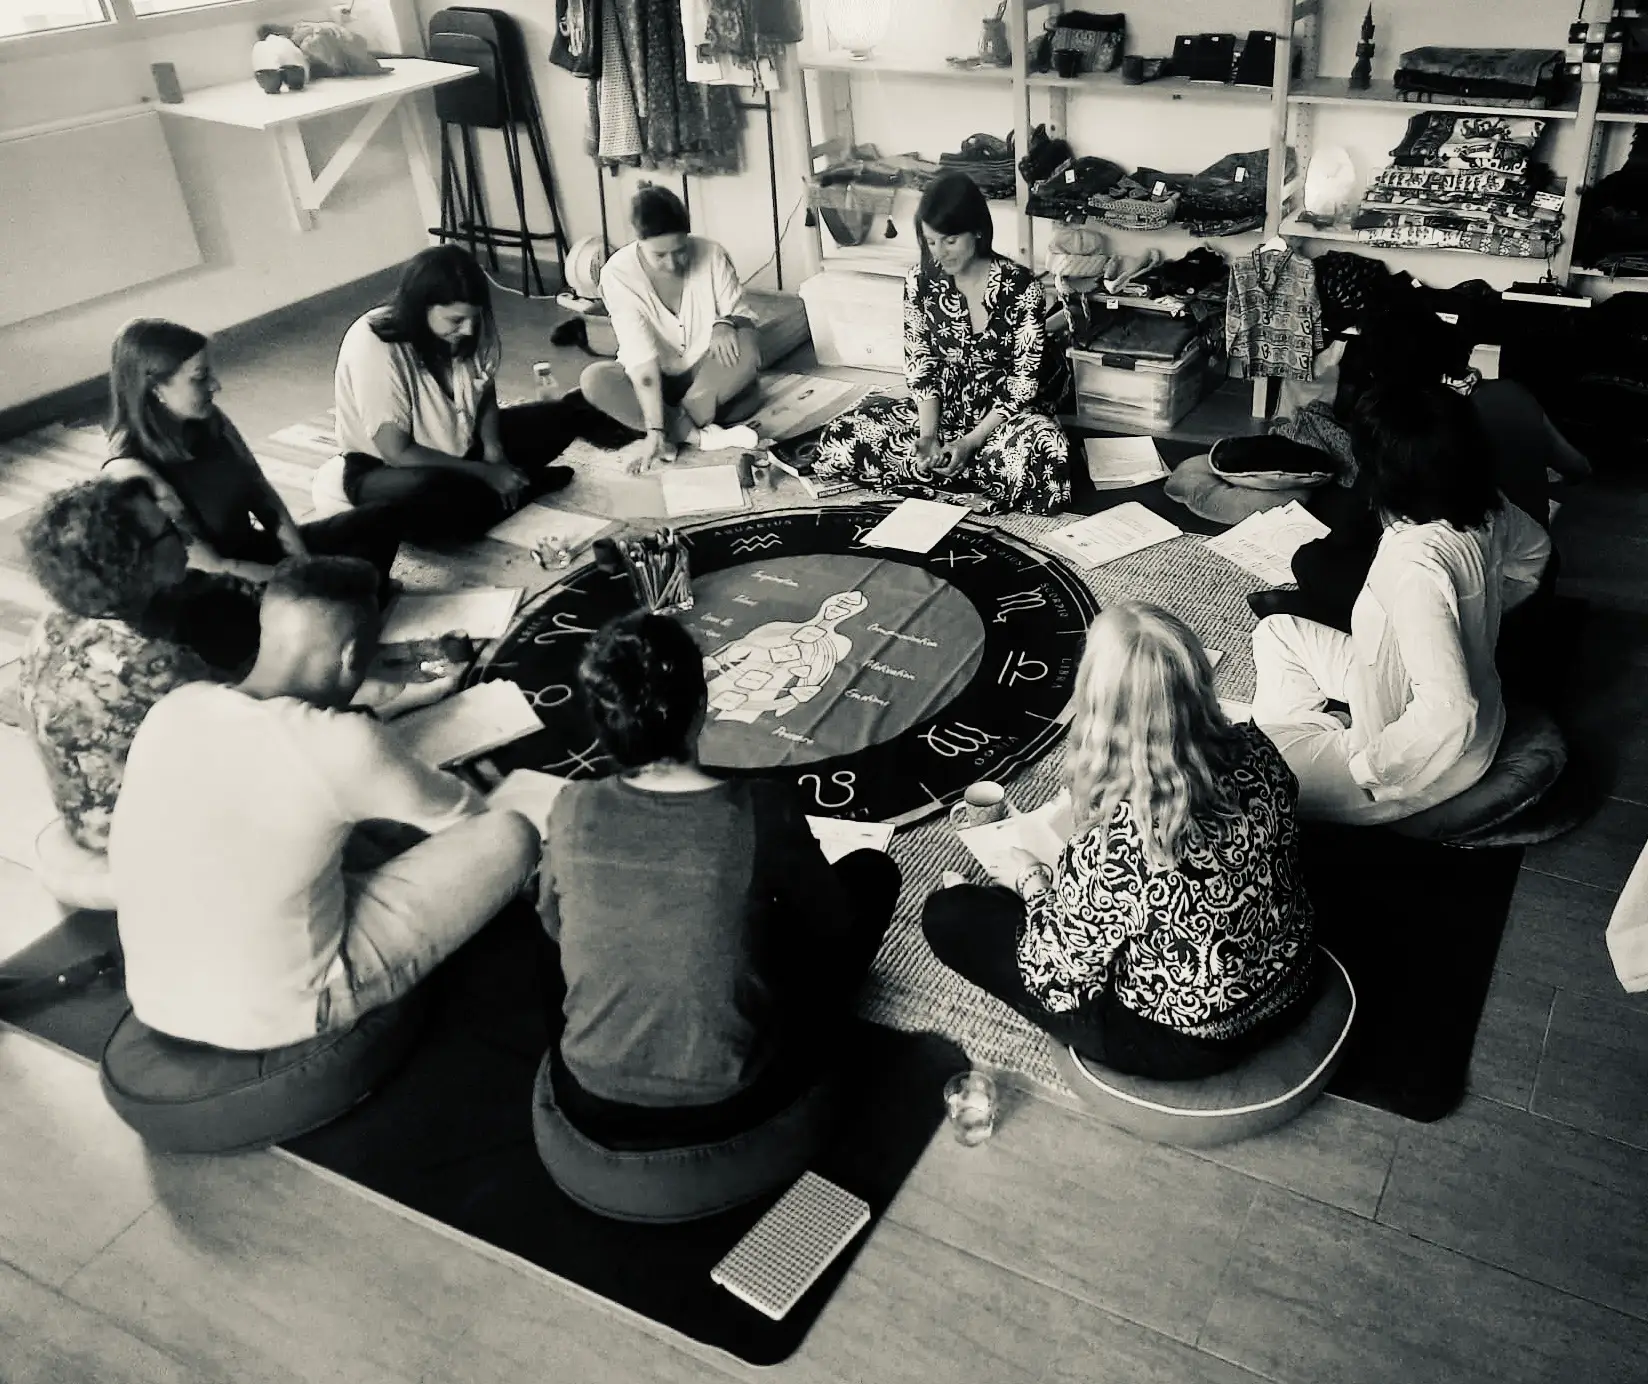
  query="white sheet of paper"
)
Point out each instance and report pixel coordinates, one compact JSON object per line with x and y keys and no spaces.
{"x":483,"y":612}
{"x":840,"y":838}
{"x":1115,"y":533}
{"x":1264,"y":543}
{"x":702,"y":490}
{"x":915,"y":526}
{"x":1234,"y":710}
{"x":1117,"y":463}
{"x":1213,"y":656}
{"x":477,"y":720}
{"x":530,"y":793}
{"x":1043,"y":833}
{"x":531,"y":524}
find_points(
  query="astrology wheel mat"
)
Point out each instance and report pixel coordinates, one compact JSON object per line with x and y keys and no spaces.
{"x":880,"y":682}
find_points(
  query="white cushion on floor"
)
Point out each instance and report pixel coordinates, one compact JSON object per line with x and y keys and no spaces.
{"x":70,"y":873}
{"x":326,"y":490}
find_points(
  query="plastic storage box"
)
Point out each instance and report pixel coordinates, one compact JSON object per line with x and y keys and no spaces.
{"x":856,"y":319}
{"x":1117,"y":390}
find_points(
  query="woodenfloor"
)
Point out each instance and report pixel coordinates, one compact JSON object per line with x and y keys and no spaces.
{"x":1502,"y":1244}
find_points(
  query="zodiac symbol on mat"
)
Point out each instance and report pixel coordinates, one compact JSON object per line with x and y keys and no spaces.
{"x":779,"y":665}
{"x":844,"y":779}
{"x":756,"y":542}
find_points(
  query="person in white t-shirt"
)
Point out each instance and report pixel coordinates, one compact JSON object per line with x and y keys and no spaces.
{"x":418,"y":417}
{"x":242,"y":926}
{"x":688,"y":350}
{"x":1417,"y":669}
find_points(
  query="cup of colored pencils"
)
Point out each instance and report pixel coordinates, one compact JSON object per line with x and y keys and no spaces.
{"x":656,"y":564}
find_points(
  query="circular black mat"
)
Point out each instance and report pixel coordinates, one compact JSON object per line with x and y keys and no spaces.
{"x":880,"y":682}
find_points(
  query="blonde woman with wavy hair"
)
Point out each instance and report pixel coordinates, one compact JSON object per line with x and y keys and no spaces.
{"x":1174,"y":935}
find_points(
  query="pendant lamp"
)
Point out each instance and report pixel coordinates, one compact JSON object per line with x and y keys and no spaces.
{"x":857,"y":25}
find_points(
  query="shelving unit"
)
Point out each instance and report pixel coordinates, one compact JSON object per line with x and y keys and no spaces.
{"x":1603,"y":126}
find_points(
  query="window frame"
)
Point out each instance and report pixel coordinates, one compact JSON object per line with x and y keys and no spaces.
{"x":124,"y":25}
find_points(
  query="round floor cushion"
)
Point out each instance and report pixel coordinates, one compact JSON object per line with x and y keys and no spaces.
{"x":1269,"y":1089}
{"x":326,"y":489}
{"x":69,"y":872}
{"x":1532,"y":755}
{"x":189,"y":1098}
{"x":679,"y":1184}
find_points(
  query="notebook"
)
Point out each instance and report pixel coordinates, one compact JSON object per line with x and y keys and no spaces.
{"x":482,"y":612}
{"x":477,"y":720}
{"x":788,"y":1248}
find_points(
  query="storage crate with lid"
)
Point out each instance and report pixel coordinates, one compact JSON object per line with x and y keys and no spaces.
{"x":1141,"y":370}
{"x":856,"y":319}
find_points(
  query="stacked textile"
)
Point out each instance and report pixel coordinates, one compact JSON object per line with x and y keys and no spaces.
{"x":1528,"y":77}
{"x":1465,"y":182}
{"x":988,"y":161}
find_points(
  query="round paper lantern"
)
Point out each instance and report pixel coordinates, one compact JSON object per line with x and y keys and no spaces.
{"x":858,"y":25}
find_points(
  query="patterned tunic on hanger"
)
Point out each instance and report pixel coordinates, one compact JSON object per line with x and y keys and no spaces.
{"x":1025,"y":463}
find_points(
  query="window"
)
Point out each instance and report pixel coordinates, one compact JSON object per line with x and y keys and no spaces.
{"x":144,"y":8}
{"x":42,"y":16}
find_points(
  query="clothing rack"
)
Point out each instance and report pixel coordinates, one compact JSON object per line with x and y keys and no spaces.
{"x":764,"y":108}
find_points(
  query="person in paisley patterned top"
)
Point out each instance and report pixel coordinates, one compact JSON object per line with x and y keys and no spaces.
{"x":1174,"y":935}
{"x":117,"y":568}
{"x":978,"y":418}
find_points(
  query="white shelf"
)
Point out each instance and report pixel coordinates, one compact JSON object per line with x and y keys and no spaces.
{"x":1627,"y":283}
{"x":1337,"y":91}
{"x":905,"y":67}
{"x":1162,"y":89}
{"x":1622,"y":117}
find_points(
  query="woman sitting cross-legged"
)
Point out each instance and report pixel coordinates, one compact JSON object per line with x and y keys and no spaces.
{"x":132,"y":622}
{"x":1417,"y":669}
{"x":418,"y":415}
{"x":1174,"y":936}
{"x":688,"y":352}
{"x":978,"y":417}
{"x":166,"y":428}
{"x":710,"y":953}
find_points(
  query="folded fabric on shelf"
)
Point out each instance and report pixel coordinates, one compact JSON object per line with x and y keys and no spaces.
{"x":1523,"y":76}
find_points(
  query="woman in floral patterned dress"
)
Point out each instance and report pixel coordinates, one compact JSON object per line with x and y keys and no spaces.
{"x":1174,"y":934}
{"x":977,"y":418}
{"x":132,"y":623}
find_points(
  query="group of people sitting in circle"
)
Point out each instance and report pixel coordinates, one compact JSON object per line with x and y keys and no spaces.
{"x":196,"y":696}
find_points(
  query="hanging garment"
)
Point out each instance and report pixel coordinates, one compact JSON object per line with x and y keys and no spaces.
{"x":615,"y":123}
{"x":695,"y":129}
{"x":1273,"y":321}
{"x":739,"y":42}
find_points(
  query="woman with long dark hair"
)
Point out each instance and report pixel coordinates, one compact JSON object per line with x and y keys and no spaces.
{"x":1174,"y":933}
{"x":166,"y":429}
{"x":688,"y":352}
{"x":710,"y":953}
{"x":1417,"y":669}
{"x":417,"y":408}
{"x":977,"y":418}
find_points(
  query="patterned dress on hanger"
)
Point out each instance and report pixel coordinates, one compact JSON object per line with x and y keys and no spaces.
{"x":1025,"y":463}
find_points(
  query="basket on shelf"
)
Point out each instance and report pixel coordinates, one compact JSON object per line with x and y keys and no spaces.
{"x":1136,"y":213}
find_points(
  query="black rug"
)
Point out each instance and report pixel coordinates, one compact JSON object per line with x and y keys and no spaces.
{"x":450,"y":1136}
{"x":1417,"y":925}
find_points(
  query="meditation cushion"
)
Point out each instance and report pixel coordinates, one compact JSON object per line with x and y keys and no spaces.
{"x":326,"y":490}
{"x":1195,"y":485}
{"x":187,"y":1097}
{"x":71,"y":874}
{"x":1531,"y":757}
{"x":1266,"y":1090}
{"x":678,"y":1184}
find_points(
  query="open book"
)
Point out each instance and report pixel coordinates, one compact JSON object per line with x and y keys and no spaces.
{"x":1043,"y":833}
{"x":475,"y":721}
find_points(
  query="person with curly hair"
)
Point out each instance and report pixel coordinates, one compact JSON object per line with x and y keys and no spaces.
{"x":132,"y":622}
{"x":166,"y":429}
{"x":708,"y":949}
{"x":1174,"y":934}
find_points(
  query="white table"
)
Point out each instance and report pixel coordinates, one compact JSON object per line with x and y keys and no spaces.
{"x":281,"y":118}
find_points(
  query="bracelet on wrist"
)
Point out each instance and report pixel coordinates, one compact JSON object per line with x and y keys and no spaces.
{"x":1036,"y":880}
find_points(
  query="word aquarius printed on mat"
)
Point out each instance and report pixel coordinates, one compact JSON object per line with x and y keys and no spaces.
{"x":781,"y":664}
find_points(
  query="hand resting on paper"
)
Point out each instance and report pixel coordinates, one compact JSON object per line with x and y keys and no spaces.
{"x":390,"y":699}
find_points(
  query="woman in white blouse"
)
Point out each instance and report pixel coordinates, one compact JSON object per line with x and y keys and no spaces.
{"x":1417,"y":669}
{"x":417,"y":408}
{"x":688,"y":352}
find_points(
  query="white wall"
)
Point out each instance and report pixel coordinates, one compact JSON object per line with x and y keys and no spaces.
{"x":255,"y":261}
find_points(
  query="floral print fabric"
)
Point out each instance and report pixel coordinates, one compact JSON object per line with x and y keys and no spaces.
{"x":1211,"y":948}
{"x":86,"y":686}
{"x":1025,"y":463}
